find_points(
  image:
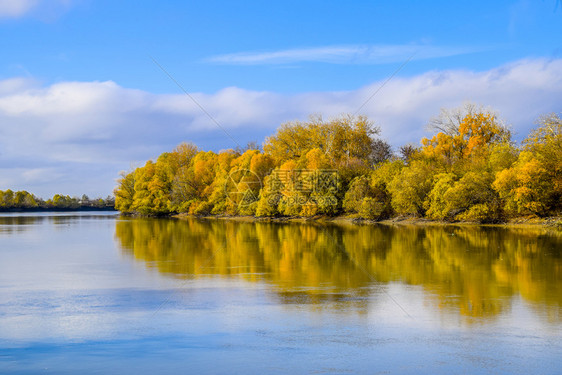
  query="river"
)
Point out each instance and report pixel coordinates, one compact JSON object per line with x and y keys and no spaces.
{"x":97,"y":293}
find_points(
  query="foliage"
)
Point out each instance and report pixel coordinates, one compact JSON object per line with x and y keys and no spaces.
{"x":368,"y":195}
{"x":437,"y":205}
{"x":410,"y":187}
{"x":23,"y":200}
{"x":341,"y":140}
{"x":468,"y":143}
{"x":359,"y":189}
{"x":525,"y":187}
{"x":534,"y":183}
{"x":469,"y":170}
{"x":18,"y":199}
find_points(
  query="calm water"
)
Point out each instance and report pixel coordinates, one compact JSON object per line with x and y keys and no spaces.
{"x":94,"y":293}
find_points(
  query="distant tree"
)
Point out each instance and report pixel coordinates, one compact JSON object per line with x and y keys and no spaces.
{"x":251,"y":145}
{"x":381,"y":151}
{"x":109,"y":201}
{"x":407,"y":152}
{"x":7,"y":198}
{"x":64,"y":202}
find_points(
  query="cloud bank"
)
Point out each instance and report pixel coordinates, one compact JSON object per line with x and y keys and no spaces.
{"x":74,"y":137}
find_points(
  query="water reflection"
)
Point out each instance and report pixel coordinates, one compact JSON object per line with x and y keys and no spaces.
{"x":471,"y":271}
{"x":18,"y":222}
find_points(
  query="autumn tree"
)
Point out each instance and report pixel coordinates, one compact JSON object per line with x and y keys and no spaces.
{"x":381,"y":151}
{"x":245,"y":181}
{"x":125,"y":192}
{"x":410,"y":187}
{"x":7,"y":198}
{"x":470,"y":198}
{"x":369,"y":196}
{"x":545,"y":143}
{"x":470,"y":170}
{"x":341,"y":140}
{"x":449,"y":120}
{"x":408,"y":152}
{"x":525,"y":186}
{"x":464,"y":140}
{"x":359,"y":189}
{"x":471,"y":146}
{"x":19,"y":199}
{"x":534,"y":183}
{"x":63,"y":201}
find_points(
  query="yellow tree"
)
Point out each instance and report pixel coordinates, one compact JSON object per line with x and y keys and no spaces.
{"x":142,"y":201}
{"x":469,"y":149}
{"x":341,"y":139}
{"x":244,"y":181}
{"x":458,"y":148}
{"x":545,"y":143}
{"x":410,"y":187}
{"x":219,"y":195}
{"x":203,"y":174}
{"x":525,"y":187}
{"x":534,"y":183}
{"x":125,"y":192}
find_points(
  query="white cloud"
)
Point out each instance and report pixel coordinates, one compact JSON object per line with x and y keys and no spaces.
{"x":346,"y":54}
{"x":20,"y":8}
{"x":16,"y":8}
{"x":12,"y":85}
{"x":74,"y":137}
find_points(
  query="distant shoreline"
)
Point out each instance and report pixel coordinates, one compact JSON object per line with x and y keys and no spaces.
{"x":56,"y":209}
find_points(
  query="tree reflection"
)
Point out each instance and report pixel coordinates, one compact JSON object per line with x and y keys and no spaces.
{"x":17,"y":224}
{"x":470,"y":270}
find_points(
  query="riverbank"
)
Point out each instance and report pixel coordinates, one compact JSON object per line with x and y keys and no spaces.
{"x":551,"y":222}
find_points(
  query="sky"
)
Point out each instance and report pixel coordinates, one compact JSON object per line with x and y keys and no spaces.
{"x":89,"y":88}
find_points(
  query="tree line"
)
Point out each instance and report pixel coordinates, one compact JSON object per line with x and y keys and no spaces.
{"x":23,"y":200}
{"x":469,"y":170}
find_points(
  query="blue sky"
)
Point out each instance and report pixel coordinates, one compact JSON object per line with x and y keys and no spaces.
{"x":82,"y":99}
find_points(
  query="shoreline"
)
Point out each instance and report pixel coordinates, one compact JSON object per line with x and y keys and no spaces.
{"x":547,"y":222}
{"x":56,"y":209}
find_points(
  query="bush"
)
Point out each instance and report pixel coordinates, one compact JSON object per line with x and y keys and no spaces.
{"x":372,"y":209}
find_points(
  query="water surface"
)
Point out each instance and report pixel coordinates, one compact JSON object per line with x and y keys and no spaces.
{"x":95,"y":293}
